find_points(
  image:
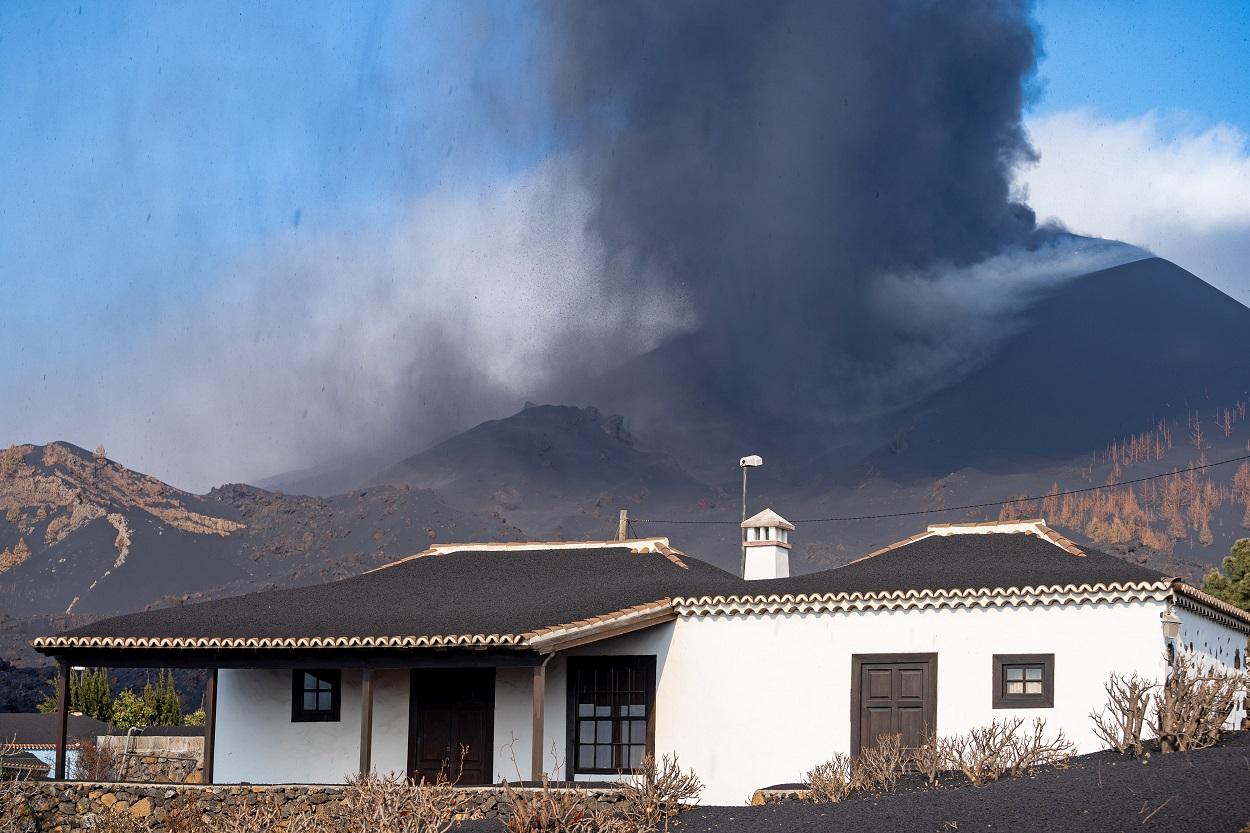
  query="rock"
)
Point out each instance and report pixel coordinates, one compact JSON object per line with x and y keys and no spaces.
{"x":141,"y":809}
{"x":108,"y":799}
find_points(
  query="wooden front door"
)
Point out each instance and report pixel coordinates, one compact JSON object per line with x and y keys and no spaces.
{"x":452,"y":710}
{"x":892,"y":694}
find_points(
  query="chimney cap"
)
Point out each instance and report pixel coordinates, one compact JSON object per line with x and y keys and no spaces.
{"x":768,"y":518}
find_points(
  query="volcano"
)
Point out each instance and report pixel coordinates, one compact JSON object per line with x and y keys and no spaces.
{"x":1137,"y":370}
{"x":1095,"y":369}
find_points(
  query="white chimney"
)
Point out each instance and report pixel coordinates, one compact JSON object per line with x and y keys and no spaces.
{"x":766,"y":542}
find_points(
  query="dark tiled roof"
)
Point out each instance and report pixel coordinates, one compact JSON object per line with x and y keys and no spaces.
{"x":966,"y":561}
{"x":464,"y":592}
{"x":25,"y":763}
{"x":32,"y":729}
{"x":511,"y":592}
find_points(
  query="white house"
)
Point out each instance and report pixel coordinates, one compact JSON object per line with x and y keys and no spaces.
{"x":576,"y":659}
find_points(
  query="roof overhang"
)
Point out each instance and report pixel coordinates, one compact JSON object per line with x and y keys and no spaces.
{"x":451,"y":650}
{"x":1204,"y":604}
{"x":1045,"y":596}
{"x":562,"y":637}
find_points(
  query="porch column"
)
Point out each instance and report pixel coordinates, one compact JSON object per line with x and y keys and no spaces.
{"x":366,"y":721}
{"x":210,"y":724}
{"x":536,"y":751}
{"x":62,"y":717}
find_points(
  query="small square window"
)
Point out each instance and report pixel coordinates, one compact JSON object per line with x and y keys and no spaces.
{"x":1024,"y":681}
{"x":315,"y":696}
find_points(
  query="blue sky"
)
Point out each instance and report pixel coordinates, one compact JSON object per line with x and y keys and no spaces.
{"x":154,"y":157}
{"x":144,"y":147}
{"x":1125,"y":57}
{"x":1142,"y":126}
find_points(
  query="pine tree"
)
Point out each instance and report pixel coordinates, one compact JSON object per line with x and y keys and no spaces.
{"x":1232,"y":584}
{"x":168,"y":706}
{"x":97,"y":699}
{"x":151,"y":702}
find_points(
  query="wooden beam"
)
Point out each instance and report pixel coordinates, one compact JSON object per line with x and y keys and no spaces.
{"x":366,"y":721}
{"x":622,"y":526}
{"x":62,"y":717}
{"x":549,"y":645}
{"x":210,"y":724}
{"x":536,"y":746}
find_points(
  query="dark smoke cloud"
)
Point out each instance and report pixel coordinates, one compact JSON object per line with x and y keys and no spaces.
{"x":814,"y":195}
{"x":774,"y":159}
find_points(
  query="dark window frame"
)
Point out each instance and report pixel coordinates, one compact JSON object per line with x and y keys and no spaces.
{"x":301,"y":715}
{"x":1003,"y":700}
{"x":575,"y":667}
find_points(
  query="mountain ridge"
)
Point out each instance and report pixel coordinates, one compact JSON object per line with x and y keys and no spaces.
{"x":81,"y":536}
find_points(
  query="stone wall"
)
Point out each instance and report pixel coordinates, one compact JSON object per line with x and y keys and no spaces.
{"x":75,"y":807}
{"x":155,"y":758}
{"x":778,"y":795}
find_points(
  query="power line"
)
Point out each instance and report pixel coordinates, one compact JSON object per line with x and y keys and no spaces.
{"x":970,"y":505}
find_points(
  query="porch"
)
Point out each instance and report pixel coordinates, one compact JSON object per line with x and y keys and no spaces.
{"x":317,"y":716}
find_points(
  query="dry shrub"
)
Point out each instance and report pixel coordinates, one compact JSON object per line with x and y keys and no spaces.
{"x":120,"y":822}
{"x":548,"y":809}
{"x":1192,"y":705}
{"x":655,"y":793}
{"x":1120,"y":723}
{"x":878,"y":769}
{"x":94,"y":763}
{"x":987,"y":753}
{"x":264,"y":815}
{"x":931,"y":758}
{"x":875,"y":770}
{"x":1187,"y":711}
{"x":1029,"y":751}
{"x":389,"y":803}
{"x":15,"y":809}
{"x":984,"y":753}
{"x":831,"y":781}
{"x":185,"y":816}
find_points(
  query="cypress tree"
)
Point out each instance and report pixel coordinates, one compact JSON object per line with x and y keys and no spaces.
{"x":98,"y":701}
{"x":171,"y":704}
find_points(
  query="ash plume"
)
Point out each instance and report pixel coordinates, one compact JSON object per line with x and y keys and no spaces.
{"x":772,"y":160}
{"x":709,"y":166}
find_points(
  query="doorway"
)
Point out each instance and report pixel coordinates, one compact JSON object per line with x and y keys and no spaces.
{"x":892,"y":694}
{"x":452,"y":710}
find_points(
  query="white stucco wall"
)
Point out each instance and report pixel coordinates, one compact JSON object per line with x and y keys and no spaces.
{"x":514,"y":712}
{"x":258,"y":743}
{"x":746,"y":701}
{"x":750,"y":701}
{"x":1210,"y":641}
{"x":1219,"y":645}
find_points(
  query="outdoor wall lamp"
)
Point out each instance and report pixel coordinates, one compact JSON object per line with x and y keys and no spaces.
{"x":1171,"y":623}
